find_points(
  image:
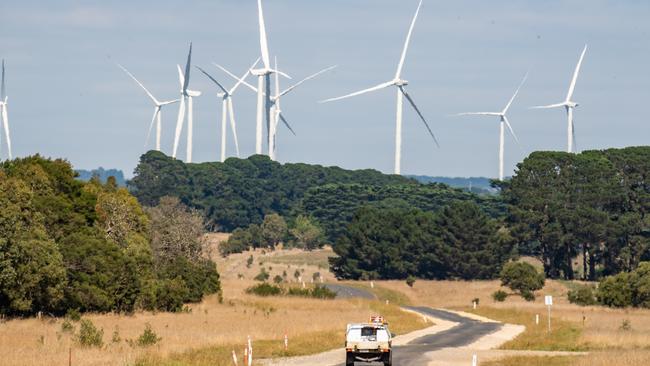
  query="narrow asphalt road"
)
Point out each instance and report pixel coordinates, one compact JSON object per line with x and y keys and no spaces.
{"x":346,"y":292}
{"x":413,"y":354}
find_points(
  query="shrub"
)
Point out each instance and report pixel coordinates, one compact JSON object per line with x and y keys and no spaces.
{"x":148,"y":337}
{"x":322,"y":292}
{"x":249,"y":261}
{"x":67,"y":326}
{"x":239,"y":241}
{"x":264,"y":289}
{"x":499,"y":296}
{"x":116,"y":335}
{"x":410,"y":281}
{"x":170,"y":295}
{"x":316,"y":276}
{"x":616,"y":291}
{"x":522,"y":278}
{"x":262,"y":276}
{"x":626,"y":325}
{"x":89,"y":335}
{"x":278,"y":279}
{"x":73,"y":314}
{"x":583,"y":296}
{"x":297,"y":291}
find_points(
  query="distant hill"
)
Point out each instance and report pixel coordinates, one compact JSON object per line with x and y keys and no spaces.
{"x":480,"y":185}
{"x":103,"y":174}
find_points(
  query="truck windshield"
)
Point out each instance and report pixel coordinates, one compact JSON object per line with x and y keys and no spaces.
{"x":368,"y":332}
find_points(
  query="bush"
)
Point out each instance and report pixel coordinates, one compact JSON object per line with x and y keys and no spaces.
{"x":499,"y":296}
{"x":278,"y":279}
{"x":522,"y":278}
{"x":297,"y":291}
{"x":148,"y":337}
{"x":240,"y":241}
{"x":249,"y":261}
{"x":262,"y":276}
{"x":67,"y":326}
{"x":73,"y":314}
{"x":410,"y":281}
{"x":322,"y":292}
{"x":616,"y":291}
{"x":171,"y":295}
{"x":89,"y":335}
{"x":264,"y":289}
{"x":583,"y":296}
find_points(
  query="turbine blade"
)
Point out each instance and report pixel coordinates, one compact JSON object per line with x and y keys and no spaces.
{"x":181,"y":78}
{"x":264,"y":43}
{"x":287,"y":124}
{"x":426,"y":124}
{"x":505,"y":119}
{"x":304,"y":80}
{"x":5,"y":122}
{"x":549,"y":106}
{"x":179,"y":126}
{"x":378,"y":87}
{"x":169,"y":102}
{"x":249,"y":86}
{"x":139,"y":83}
{"x":242,"y":79}
{"x":213,"y":79}
{"x":186,"y":82}
{"x":153,"y":120}
{"x":233,"y":125}
{"x":282,"y":73}
{"x":515,"y":95}
{"x":406,"y":44}
{"x":575,"y":75}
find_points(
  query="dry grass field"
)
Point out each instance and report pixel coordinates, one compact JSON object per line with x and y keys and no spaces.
{"x":614,"y":337}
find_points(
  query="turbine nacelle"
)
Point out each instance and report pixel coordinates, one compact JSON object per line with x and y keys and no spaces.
{"x":571,"y":104}
{"x":400,"y":82}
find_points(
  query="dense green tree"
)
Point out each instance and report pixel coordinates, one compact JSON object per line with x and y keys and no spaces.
{"x":307,"y":234}
{"x":274,"y":230}
{"x":522,"y":278}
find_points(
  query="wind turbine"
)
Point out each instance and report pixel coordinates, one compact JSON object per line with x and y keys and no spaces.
{"x":569,"y":105}
{"x":263,"y":83}
{"x":157,"y":113}
{"x":227,"y":109}
{"x":400,"y":83}
{"x":4,"y":100}
{"x":276,"y":115}
{"x":186,"y":97}
{"x":503,"y":123}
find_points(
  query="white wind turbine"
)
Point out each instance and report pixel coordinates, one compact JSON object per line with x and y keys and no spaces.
{"x":264,"y":102}
{"x":276,"y":115}
{"x":157,"y":113}
{"x":186,"y":97}
{"x":503,"y":123}
{"x":4,"y":100}
{"x":227,"y":110}
{"x":401,"y":93}
{"x":569,"y":105}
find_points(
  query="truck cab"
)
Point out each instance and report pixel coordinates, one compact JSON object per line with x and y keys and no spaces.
{"x":369,"y":342}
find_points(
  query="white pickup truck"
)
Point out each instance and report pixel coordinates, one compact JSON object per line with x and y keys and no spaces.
{"x":369,"y":342}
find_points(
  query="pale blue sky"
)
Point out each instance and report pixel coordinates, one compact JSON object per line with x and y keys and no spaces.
{"x":68,"y":99}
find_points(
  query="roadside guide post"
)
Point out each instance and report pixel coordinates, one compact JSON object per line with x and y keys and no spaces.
{"x":536,"y":319}
{"x":372,"y":284}
{"x":548,"y":300}
{"x":474,"y":360}
{"x":234,"y":357}
{"x":250,"y":352}
{"x":286,"y":342}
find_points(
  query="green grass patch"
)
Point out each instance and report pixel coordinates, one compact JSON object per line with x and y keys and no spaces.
{"x":316,"y":258}
{"x":564,"y":336}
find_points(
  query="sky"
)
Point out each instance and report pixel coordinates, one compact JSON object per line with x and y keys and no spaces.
{"x":67,"y":97}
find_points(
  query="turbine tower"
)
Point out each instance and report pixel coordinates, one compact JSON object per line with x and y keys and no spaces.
{"x":503,"y":123}
{"x":4,"y":100}
{"x":157,"y":113}
{"x":263,"y":83}
{"x":401,"y":84}
{"x":276,"y":114}
{"x":186,"y":98}
{"x":227,"y":110}
{"x":569,"y":105}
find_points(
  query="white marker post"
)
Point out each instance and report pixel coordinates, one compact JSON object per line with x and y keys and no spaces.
{"x":548,"y":300}
{"x":286,"y":342}
{"x":250,"y":352}
{"x":474,"y":303}
{"x":536,"y":319}
{"x":234,"y":357}
{"x":372,"y":284}
{"x":474,"y":360}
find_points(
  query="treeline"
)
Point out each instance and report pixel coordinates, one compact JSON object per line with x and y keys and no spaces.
{"x":459,"y":241}
{"x":66,"y":244}
{"x":242,"y":192}
{"x":584,"y":215}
